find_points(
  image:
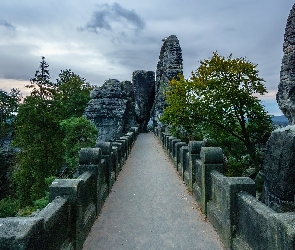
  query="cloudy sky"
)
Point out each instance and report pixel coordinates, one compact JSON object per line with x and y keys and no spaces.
{"x":104,"y":39}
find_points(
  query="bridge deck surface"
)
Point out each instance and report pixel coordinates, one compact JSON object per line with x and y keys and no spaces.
{"x":149,"y":207}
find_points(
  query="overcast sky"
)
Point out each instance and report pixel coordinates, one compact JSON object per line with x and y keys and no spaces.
{"x":104,"y":39}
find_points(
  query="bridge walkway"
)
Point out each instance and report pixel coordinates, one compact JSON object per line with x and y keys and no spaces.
{"x":149,"y":207}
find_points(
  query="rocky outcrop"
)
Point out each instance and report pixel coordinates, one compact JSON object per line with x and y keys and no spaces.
{"x":168,"y":67}
{"x":144,"y":92}
{"x":117,"y":106}
{"x":108,"y":109}
{"x":129,"y":118}
{"x":279,"y":170}
{"x":286,"y":91}
{"x":279,"y":159}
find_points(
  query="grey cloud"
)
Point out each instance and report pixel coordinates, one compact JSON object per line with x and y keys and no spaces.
{"x":111,"y":15}
{"x":7,"y":25}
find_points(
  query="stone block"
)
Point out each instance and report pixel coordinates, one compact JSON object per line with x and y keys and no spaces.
{"x":173,"y":149}
{"x":59,"y":225}
{"x":222,"y":203}
{"x":183,"y":161}
{"x":260,"y":227}
{"x":22,"y":233}
{"x":89,"y":160}
{"x":194,"y":154}
{"x":212,"y":159}
{"x":178,"y":146}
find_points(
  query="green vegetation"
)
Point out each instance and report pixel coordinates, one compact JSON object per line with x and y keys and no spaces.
{"x":49,"y":131}
{"x":219,"y":104}
{"x":79,"y":133}
{"x":9,"y":103}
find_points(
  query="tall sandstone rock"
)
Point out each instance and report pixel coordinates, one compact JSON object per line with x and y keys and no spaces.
{"x":117,"y":106}
{"x":286,"y":91}
{"x":168,"y":67}
{"x":144,"y":92}
{"x":279,"y":163}
{"x":111,"y":109}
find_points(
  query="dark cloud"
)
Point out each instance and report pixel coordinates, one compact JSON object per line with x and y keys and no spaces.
{"x":7,"y":25}
{"x":109,"y":17}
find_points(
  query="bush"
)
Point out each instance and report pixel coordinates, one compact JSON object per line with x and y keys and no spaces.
{"x":8,"y":207}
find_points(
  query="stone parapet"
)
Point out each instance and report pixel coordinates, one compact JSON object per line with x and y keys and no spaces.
{"x":74,"y":203}
{"x":241,"y":220}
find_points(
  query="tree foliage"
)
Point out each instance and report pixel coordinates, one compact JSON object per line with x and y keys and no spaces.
{"x":38,"y":131}
{"x":9,"y":103}
{"x":38,"y":136}
{"x":219,"y":102}
{"x":79,"y":133}
{"x":73,"y":94}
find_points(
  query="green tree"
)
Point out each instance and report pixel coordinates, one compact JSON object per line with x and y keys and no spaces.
{"x":73,"y":94}
{"x":220,"y":99}
{"x":79,"y":133}
{"x":39,"y":138}
{"x":9,"y":104}
{"x":40,"y":134}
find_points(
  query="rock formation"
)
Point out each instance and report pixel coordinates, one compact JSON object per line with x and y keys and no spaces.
{"x":144,"y":92}
{"x":279,"y":160}
{"x":168,"y":67}
{"x":107,"y":109}
{"x":117,"y":106}
{"x":279,"y":170}
{"x":286,"y":91}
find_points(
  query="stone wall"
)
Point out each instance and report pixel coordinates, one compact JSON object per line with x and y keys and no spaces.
{"x":229,"y":203}
{"x":75,"y":203}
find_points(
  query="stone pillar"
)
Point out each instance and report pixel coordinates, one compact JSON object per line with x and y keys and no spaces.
{"x":144,"y":92}
{"x":169,"y":66}
{"x":212,"y":159}
{"x":194,"y":154}
{"x":286,"y":90}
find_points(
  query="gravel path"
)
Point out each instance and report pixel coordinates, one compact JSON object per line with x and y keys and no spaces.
{"x":150,"y":208}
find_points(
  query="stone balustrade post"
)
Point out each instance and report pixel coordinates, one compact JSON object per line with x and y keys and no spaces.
{"x":212,"y":159}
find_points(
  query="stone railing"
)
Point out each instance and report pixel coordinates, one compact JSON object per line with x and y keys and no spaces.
{"x":75,"y":203}
{"x":229,"y":203}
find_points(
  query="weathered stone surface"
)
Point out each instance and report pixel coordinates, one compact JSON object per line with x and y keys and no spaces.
{"x":129,"y":118}
{"x":286,"y":91}
{"x":144,"y":91}
{"x":279,"y":170}
{"x":108,"y":109}
{"x":168,"y":67}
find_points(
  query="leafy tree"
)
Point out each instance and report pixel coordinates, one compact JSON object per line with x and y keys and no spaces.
{"x":39,"y":133}
{"x":39,"y":138}
{"x":220,"y":100}
{"x":79,"y":133}
{"x":9,"y":103}
{"x":73,"y":94}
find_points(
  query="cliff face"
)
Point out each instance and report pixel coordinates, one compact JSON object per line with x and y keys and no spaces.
{"x":168,"y":67}
{"x":286,"y":91}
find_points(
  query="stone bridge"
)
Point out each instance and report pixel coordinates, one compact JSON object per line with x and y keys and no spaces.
{"x":145,"y":206}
